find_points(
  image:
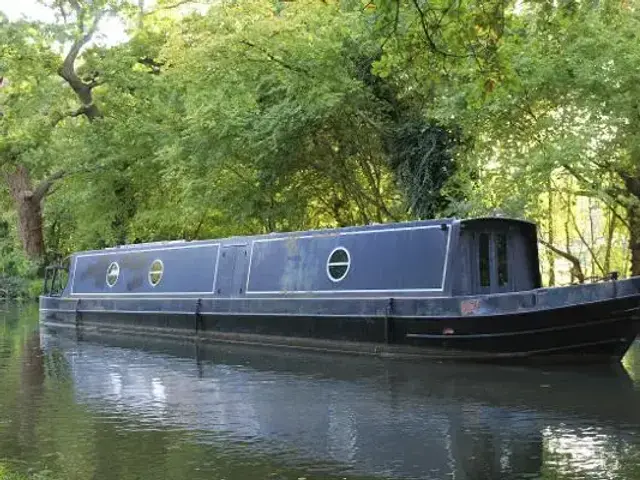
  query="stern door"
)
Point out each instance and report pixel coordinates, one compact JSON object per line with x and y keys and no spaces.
{"x":492,"y":272}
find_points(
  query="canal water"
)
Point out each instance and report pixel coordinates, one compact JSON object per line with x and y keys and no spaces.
{"x":135,"y":408}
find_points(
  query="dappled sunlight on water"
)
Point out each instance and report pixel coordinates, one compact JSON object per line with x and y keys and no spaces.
{"x":127,"y":408}
{"x":590,"y":453}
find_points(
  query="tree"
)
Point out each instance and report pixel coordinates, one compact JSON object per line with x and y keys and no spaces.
{"x":30,"y":100}
{"x":543,"y":91}
{"x":283,"y":114}
{"x":567,"y":102}
{"x":33,"y":105}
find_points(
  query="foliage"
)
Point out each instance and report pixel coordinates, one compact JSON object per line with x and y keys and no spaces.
{"x":546,"y":93}
{"x":422,"y":156}
{"x":6,"y":473}
{"x":19,"y":276}
{"x":257,"y":116}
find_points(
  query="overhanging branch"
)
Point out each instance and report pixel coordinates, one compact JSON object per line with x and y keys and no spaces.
{"x":67,"y":70}
{"x":45,"y":185}
{"x":429,"y":37}
{"x":176,"y":4}
{"x":275,"y":59}
{"x":44,"y":188}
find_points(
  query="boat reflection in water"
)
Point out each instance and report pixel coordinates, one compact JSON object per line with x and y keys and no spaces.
{"x":352,"y":415}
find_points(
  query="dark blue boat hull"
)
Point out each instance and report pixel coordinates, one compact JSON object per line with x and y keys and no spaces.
{"x":597,"y":330}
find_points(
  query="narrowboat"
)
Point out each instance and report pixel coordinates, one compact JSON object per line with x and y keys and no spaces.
{"x":440,"y":289}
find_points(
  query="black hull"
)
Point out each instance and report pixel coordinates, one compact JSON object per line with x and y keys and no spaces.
{"x":596,"y":331}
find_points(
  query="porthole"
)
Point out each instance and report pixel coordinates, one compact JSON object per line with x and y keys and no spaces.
{"x":338,"y":264}
{"x":155,"y":272}
{"x":113,"y":272}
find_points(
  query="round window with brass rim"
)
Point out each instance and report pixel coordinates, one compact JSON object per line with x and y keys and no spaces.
{"x":338,"y":264}
{"x":155,"y":272}
{"x":113,"y":273}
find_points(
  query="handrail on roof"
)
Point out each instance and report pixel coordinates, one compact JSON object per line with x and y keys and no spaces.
{"x":145,"y":244}
{"x":496,"y":218}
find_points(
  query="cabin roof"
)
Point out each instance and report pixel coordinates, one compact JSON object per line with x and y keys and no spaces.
{"x":317,"y":232}
{"x":479,"y":220}
{"x":245,"y":238}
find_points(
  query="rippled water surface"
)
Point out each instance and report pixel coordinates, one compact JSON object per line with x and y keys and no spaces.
{"x":133,"y":408}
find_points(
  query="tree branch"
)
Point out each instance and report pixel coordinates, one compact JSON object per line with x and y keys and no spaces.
{"x":45,"y":185}
{"x":279,"y":61}
{"x":177,"y":4}
{"x":63,"y":12}
{"x":429,"y":38}
{"x":631,"y":182}
{"x":594,"y":186}
{"x":93,"y":83}
{"x":76,"y":6}
{"x":576,"y":268}
{"x":203,"y":217}
{"x":61,"y":116}
{"x":67,"y":70}
{"x":586,"y":244}
{"x":151,"y":63}
{"x":44,"y":188}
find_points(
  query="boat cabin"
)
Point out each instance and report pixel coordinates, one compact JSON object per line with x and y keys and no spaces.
{"x":496,"y":255}
{"x":446,"y":257}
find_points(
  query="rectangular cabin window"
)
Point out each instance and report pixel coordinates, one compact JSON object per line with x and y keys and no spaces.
{"x":485,"y":274}
{"x":501,"y":253}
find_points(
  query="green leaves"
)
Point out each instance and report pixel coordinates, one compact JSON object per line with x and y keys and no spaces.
{"x":258,"y":116}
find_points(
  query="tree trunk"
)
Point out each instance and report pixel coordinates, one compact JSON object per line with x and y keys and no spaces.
{"x":567,"y":237}
{"x":30,"y":222}
{"x":632,"y":182}
{"x":633,"y":212}
{"x":592,"y":242}
{"x":550,"y":256}
{"x":610,"y":232}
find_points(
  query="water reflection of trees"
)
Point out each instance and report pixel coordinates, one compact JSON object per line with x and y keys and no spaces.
{"x":480,"y":435}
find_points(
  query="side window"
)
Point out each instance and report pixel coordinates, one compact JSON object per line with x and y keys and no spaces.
{"x":155,"y":272}
{"x":338,"y":264}
{"x":113,"y":273}
{"x":502,"y":257}
{"x":485,"y":272}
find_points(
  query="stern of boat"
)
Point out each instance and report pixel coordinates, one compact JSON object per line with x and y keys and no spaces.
{"x":583,"y":323}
